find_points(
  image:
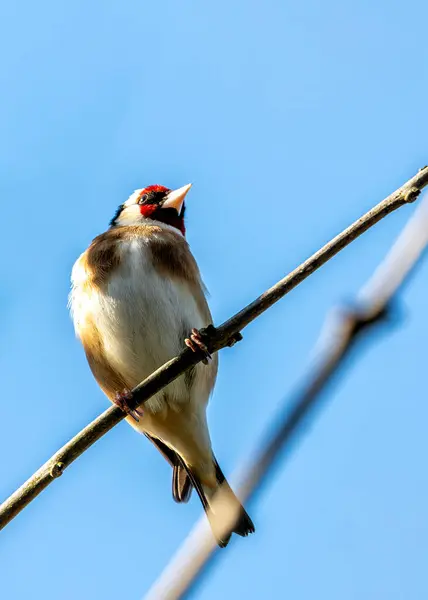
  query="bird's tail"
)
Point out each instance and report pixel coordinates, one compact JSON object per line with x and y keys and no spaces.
{"x":243,"y":525}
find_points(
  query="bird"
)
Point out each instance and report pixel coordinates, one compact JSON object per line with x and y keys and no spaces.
{"x":136,"y":300}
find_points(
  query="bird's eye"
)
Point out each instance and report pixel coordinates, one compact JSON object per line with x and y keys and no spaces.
{"x":143,"y":199}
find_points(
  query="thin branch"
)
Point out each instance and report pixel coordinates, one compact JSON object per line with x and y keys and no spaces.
{"x":216,"y":339}
{"x":344,"y":333}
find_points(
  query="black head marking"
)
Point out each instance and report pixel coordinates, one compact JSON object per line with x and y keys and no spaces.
{"x":153,"y":197}
{"x":113,"y":221}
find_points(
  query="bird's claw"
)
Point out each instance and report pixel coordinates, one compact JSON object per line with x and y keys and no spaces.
{"x":196,"y":343}
{"x":122,"y":399}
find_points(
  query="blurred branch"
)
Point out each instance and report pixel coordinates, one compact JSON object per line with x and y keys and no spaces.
{"x":340,"y":336}
{"x":216,"y":339}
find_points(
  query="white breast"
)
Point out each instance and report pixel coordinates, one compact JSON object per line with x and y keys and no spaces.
{"x":142,"y":318}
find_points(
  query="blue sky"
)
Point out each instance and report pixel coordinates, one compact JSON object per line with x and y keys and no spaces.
{"x":291,"y":120}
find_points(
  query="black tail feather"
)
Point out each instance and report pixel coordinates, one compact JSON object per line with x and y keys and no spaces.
{"x":184,"y":480}
{"x":244,"y":525}
{"x":222,"y":540}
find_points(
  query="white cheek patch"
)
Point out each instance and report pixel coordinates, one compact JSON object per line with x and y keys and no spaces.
{"x":131,"y":215}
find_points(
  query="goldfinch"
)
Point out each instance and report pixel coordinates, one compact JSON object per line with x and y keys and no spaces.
{"x":136,"y":296}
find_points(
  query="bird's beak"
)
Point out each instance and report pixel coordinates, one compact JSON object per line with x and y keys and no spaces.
{"x":175,"y":198}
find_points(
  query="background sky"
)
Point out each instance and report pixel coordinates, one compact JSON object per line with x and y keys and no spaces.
{"x":291,"y":120}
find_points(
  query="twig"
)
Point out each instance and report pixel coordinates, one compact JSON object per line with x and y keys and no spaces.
{"x":216,"y":338}
{"x":374,"y":303}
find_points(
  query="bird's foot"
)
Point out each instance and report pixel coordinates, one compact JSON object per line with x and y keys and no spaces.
{"x":122,"y":399}
{"x":196,"y":343}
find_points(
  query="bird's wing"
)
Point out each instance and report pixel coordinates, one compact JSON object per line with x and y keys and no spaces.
{"x":172,"y":257}
{"x":109,"y":380}
{"x":181,"y":484}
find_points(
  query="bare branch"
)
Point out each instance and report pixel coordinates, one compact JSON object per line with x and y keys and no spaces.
{"x":344,"y":333}
{"x":216,"y":339}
